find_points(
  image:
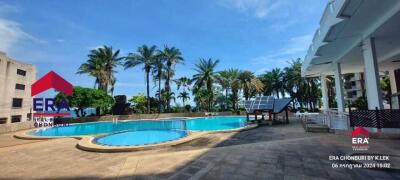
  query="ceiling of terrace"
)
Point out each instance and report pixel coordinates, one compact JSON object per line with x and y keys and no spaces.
{"x":344,"y":40}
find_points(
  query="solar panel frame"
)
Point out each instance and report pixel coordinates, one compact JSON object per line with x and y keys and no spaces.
{"x":263,"y":103}
{"x":281,"y":104}
{"x":248,"y":105}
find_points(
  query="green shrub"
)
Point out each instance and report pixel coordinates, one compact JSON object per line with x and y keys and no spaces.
{"x":361,"y":103}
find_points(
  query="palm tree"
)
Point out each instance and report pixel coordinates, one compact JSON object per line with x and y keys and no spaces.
{"x":101,"y":65}
{"x":273,"y":81}
{"x":201,"y":97}
{"x":158,"y":72}
{"x":113,"y":81}
{"x":277,"y":80}
{"x":228,"y":79}
{"x":146,"y":56}
{"x":93,"y":67}
{"x":172,"y":56}
{"x":183,"y":82}
{"x":184,"y":96}
{"x":205,"y":77}
{"x":168,"y":96}
{"x":266,"y":79}
{"x":250,"y":84}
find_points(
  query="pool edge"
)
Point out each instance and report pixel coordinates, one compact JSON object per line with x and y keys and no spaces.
{"x":87,"y":144}
{"x":27,"y":136}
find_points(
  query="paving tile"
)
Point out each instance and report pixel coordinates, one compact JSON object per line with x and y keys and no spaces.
{"x":182,"y":177}
{"x":284,"y":152}
{"x":293,"y":171}
{"x":191,"y":170}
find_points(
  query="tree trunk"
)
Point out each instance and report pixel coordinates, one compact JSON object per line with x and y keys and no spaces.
{"x":148,"y":91}
{"x":167,"y":86}
{"x":77,"y":112}
{"x":82,"y":113}
{"x":209,"y":88}
{"x":226,"y":98}
{"x":97,"y":111}
{"x":159,"y":90}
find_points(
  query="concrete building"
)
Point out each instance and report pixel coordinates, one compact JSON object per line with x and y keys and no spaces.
{"x":357,"y":36}
{"x":15,"y":90}
{"x":353,"y":86}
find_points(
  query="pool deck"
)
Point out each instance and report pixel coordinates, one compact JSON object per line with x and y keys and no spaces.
{"x":267,"y":152}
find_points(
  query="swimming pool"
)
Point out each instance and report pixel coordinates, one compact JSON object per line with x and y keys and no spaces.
{"x":144,"y":137}
{"x":109,"y":127}
{"x":142,"y":132}
{"x":216,"y":123}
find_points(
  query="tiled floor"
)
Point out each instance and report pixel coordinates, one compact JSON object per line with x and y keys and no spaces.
{"x":277,"y":152}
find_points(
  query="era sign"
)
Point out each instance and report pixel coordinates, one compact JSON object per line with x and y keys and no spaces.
{"x":360,"y":139}
{"x":47,"y":106}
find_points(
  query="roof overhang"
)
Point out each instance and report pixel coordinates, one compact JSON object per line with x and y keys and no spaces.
{"x":339,"y":39}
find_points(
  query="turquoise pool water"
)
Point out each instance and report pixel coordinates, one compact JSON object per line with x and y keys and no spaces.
{"x":136,"y":138}
{"x":144,"y":131}
{"x":109,"y":127}
{"x":216,"y":123}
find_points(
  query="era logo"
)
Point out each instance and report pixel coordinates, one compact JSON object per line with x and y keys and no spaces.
{"x":47,"y":106}
{"x":360,"y":139}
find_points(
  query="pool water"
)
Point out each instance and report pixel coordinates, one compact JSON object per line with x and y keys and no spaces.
{"x":142,"y":132}
{"x":108,"y":127}
{"x":216,"y":123}
{"x":136,"y":138}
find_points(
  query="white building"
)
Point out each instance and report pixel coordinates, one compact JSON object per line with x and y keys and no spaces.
{"x":357,"y":36}
{"x":15,"y":90}
{"x":353,"y":86}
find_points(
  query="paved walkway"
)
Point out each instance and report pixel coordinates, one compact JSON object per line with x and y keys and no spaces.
{"x":277,"y":152}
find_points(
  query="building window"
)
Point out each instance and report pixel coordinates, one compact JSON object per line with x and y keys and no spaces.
{"x":20,"y":86}
{"x":3,"y":120}
{"x":15,"y":119}
{"x":21,"y":72}
{"x":17,"y":103}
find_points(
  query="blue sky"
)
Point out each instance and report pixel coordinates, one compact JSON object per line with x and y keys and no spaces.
{"x":255,"y":35}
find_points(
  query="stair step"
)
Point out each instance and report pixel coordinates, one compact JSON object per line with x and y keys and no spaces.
{"x":317,"y":128}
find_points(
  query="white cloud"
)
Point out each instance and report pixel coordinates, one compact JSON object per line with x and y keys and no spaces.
{"x":295,"y":47}
{"x":60,"y":40}
{"x":279,"y":15}
{"x":6,"y":9}
{"x":94,"y":47}
{"x":258,"y":8}
{"x":298,"y":44}
{"x":11,"y":33}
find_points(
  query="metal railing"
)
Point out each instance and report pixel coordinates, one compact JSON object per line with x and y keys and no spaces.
{"x":337,"y":120}
{"x":330,"y":118}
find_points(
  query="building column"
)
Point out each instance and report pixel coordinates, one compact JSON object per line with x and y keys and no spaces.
{"x":324,"y":90}
{"x":339,"y":88}
{"x":393,"y":87}
{"x":371,"y":71}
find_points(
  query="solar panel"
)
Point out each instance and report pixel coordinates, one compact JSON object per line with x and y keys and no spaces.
{"x":281,"y":104}
{"x":248,"y":106}
{"x":264,"y":103}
